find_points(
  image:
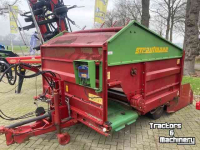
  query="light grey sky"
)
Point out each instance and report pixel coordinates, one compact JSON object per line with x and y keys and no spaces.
{"x":82,"y":16}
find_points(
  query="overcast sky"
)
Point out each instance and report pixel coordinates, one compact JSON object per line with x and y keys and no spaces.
{"x":82,"y":16}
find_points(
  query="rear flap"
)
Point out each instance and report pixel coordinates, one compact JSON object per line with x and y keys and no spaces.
{"x":186,"y":98}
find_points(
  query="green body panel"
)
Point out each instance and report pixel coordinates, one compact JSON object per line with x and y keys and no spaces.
{"x":120,"y":115}
{"x":91,"y":82}
{"x":122,"y":47}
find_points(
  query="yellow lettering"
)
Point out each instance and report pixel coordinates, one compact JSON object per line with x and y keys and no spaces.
{"x":137,"y":51}
{"x":149,"y":50}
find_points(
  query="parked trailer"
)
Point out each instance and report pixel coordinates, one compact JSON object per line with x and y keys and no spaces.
{"x":105,"y":79}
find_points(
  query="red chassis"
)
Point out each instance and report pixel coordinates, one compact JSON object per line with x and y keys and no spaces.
{"x":44,"y":124}
{"x":24,"y":59}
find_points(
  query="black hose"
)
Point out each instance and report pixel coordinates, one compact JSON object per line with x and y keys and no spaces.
{"x":29,"y":121}
{"x":11,"y":80}
{"x":8,"y":73}
{"x":33,"y":75}
{"x":6,"y":65}
{"x":16,"y":66}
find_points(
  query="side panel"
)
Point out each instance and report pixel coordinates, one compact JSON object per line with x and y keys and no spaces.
{"x":134,"y":44}
{"x":121,"y":74}
{"x":153,"y":84}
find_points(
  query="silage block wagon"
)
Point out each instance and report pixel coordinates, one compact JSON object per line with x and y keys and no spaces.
{"x":105,"y":79}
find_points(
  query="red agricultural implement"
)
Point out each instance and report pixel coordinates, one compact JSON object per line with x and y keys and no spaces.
{"x":105,"y":79}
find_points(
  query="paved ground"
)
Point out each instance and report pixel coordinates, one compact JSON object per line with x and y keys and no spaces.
{"x":137,"y":136}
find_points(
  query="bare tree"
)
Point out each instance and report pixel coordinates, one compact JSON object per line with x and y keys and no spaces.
{"x":191,"y":42}
{"x":145,"y":13}
{"x":158,"y":24}
{"x":128,"y":10}
{"x":110,"y":18}
{"x":173,"y":12}
{"x":178,"y":11}
{"x":4,"y":5}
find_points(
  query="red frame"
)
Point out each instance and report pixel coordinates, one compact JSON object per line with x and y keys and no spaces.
{"x":24,"y":59}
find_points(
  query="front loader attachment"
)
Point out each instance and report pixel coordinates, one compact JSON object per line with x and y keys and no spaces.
{"x":186,"y":98}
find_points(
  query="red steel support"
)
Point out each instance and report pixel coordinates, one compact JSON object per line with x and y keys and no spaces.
{"x":144,"y":80}
{"x":105,"y":87}
{"x":57,"y":112}
{"x":24,"y":59}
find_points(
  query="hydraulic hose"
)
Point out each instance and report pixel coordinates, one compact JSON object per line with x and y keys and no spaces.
{"x":29,"y":121}
{"x":8,"y":73}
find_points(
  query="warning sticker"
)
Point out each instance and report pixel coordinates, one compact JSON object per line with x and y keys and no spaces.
{"x":108,"y":75}
{"x":67,"y":88}
{"x":178,"y":61}
{"x":95,"y":98}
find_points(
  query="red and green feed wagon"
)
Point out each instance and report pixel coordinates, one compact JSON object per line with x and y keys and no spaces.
{"x":105,"y":79}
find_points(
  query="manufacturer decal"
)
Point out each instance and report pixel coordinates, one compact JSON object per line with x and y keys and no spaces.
{"x":150,"y":50}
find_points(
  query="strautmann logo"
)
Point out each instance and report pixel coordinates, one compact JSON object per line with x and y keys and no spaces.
{"x":150,"y":50}
{"x":172,"y":138}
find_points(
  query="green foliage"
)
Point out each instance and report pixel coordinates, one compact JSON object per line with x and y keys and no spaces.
{"x":195,"y":83}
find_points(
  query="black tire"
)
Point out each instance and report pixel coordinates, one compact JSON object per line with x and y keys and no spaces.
{"x":2,"y":66}
{"x":156,"y":113}
{"x":60,"y":10}
{"x":38,"y":12}
{"x":29,"y":19}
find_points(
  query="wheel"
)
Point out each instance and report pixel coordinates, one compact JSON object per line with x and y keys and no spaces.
{"x":29,"y":19}
{"x":38,"y":12}
{"x":2,"y":67}
{"x":156,"y":113}
{"x":60,"y":10}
